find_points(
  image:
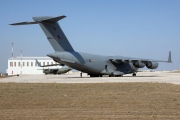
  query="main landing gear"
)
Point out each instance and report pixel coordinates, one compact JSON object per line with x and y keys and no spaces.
{"x":94,"y":75}
{"x":115,"y":75}
{"x":134,"y":74}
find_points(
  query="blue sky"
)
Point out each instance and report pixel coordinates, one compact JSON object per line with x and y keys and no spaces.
{"x":133,"y":28}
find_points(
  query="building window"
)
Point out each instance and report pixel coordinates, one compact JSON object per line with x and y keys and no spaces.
{"x":11,"y":64}
{"x":31,"y":63}
{"x":43,"y":63}
{"x":35,"y":64}
{"x":47,"y":63}
{"x":14,"y":64}
{"x":23,"y":64}
{"x":51,"y":63}
{"x":27,"y":64}
{"x":19,"y":64}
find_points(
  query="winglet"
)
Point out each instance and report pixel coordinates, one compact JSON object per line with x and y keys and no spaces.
{"x":169,"y":57}
{"x":39,"y":64}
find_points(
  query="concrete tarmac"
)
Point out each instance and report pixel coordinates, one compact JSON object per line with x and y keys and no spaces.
{"x":159,"y":77}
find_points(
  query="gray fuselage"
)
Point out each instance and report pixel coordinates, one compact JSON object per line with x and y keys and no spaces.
{"x":92,"y":64}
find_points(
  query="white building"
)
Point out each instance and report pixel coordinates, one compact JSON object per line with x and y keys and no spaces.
{"x":27,"y":65}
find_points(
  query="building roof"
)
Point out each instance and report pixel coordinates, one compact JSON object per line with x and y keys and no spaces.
{"x":31,"y":58}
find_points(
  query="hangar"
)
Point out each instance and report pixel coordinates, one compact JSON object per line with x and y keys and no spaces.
{"x":27,"y":65}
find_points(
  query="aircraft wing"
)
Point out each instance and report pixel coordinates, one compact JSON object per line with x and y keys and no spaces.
{"x":49,"y":69}
{"x":45,"y":65}
{"x":124,"y":59}
{"x":49,"y":65}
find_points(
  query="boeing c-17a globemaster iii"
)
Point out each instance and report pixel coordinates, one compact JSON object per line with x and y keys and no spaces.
{"x":94,"y":65}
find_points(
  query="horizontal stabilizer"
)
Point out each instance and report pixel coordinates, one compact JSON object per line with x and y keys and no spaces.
{"x":41,"y":19}
{"x":24,"y":23}
{"x":48,"y":19}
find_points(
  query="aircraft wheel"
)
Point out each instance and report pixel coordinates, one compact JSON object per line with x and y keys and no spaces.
{"x":134,"y":74}
{"x":118,"y":75}
{"x":91,"y":75}
{"x":111,"y":75}
{"x":94,"y":75}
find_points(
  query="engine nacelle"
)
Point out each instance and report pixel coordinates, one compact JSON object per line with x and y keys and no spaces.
{"x":138,"y":64}
{"x":152,"y":65}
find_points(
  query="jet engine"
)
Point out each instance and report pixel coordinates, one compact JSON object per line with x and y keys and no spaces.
{"x":152,"y":65}
{"x":138,"y":64}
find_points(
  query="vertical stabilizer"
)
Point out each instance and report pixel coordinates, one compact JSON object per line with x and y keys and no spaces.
{"x":53,"y":31}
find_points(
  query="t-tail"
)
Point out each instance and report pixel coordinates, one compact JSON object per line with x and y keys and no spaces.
{"x":53,"y":31}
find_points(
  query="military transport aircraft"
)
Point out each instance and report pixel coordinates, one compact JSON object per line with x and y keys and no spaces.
{"x":94,"y":65}
{"x":53,"y":70}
